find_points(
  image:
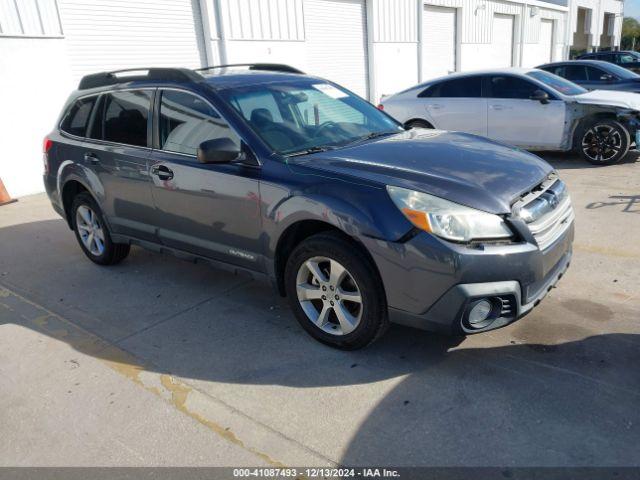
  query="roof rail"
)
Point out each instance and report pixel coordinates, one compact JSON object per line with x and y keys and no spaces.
{"x":103,"y":79}
{"x":270,"y":67}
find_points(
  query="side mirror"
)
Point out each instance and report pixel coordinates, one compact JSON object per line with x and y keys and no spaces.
{"x":219,"y":150}
{"x":541,"y":96}
{"x":607,"y":77}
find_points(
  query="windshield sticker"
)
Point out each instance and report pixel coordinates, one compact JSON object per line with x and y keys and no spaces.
{"x":330,"y":90}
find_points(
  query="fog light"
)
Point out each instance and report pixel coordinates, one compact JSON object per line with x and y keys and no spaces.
{"x":480,"y":312}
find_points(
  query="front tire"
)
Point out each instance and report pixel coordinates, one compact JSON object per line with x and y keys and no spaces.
{"x":335,"y":292}
{"x":603,"y":142}
{"x":92,"y":232}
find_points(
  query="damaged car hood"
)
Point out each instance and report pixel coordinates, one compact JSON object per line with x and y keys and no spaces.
{"x":612,"y":98}
{"x":460,"y":167}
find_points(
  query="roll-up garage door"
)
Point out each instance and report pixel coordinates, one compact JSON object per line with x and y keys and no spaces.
{"x":546,"y":40}
{"x":502,"y":42}
{"x":438,"y":41}
{"x":335,"y":33}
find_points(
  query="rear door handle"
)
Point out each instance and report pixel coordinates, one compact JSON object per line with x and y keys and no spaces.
{"x":436,"y":106}
{"x":162,"y":172}
{"x":91,"y":158}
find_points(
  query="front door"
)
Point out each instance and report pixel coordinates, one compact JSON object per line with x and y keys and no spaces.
{"x":212,"y":210}
{"x":514,"y":118}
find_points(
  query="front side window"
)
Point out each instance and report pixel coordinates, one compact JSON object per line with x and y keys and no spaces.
{"x":466,"y":87}
{"x":187,"y":120}
{"x":126,"y":116}
{"x":506,"y":86}
{"x":597,"y":74}
{"x":76,"y":120}
{"x":293,"y":116}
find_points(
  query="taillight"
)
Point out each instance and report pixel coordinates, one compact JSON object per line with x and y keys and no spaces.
{"x":380,"y":106}
{"x":46,"y":146}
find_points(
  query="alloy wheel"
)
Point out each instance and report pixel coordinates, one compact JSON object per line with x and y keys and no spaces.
{"x":329,"y":295}
{"x":601,"y":143}
{"x":90,"y":230}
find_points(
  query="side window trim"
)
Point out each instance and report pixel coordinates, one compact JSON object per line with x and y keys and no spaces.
{"x":155,"y":109}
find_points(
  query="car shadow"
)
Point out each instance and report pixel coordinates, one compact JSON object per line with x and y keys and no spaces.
{"x":571,"y":161}
{"x":547,"y":391}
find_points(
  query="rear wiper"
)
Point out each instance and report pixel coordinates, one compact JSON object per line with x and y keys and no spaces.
{"x":310,"y":150}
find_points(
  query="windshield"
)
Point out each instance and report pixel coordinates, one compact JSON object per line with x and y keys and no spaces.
{"x":557,"y":83}
{"x":296,"y":117}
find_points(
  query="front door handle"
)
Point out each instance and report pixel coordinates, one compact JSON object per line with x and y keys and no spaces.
{"x":162,"y":172}
{"x":91,"y":158}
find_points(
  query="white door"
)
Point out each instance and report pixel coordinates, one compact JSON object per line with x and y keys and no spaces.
{"x":546,"y":41}
{"x":457,"y":105}
{"x":336,"y":42}
{"x":501,"y":54}
{"x":438,"y":41}
{"x":515,"y":119}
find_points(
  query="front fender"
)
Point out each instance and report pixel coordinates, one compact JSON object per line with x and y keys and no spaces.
{"x":373,"y":217}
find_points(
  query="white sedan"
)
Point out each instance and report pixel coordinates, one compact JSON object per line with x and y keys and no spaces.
{"x":527,"y":108}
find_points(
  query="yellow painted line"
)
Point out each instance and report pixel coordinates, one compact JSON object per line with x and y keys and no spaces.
{"x":169,"y":388}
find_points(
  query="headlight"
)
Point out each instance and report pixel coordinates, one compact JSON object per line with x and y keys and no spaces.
{"x":447,"y":219}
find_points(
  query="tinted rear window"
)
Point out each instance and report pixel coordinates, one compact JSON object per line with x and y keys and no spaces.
{"x":76,"y":120}
{"x":467,"y":87}
{"x":126,"y":116}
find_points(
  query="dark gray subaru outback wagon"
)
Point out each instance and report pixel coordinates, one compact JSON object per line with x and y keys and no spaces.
{"x":291,"y":177}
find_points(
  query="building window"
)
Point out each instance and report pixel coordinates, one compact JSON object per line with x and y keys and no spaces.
{"x":30,"y":18}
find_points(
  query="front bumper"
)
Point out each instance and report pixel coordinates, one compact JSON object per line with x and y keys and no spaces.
{"x":430,"y":284}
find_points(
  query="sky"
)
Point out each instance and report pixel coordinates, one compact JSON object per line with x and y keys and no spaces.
{"x":632,"y":9}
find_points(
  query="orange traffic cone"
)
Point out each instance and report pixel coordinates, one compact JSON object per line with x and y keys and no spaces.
{"x":4,"y":196}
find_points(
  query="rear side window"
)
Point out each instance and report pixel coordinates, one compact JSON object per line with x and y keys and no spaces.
{"x":76,"y":120}
{"x":187,"y":120}
{"x":575,"y":72}
{"x":126,"y":116}
{"x":467,"y":87}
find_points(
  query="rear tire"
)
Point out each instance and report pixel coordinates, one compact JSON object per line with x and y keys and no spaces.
{"x":335,"y":292}
{"x":93,"y":234}
{"x":603,"y":142}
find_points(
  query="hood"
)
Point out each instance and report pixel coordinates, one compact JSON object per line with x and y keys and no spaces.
{"x":614,"y":98}
{"x":463,"y":168}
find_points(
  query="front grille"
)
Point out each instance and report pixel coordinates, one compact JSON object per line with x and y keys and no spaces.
{"x":549,"y":214}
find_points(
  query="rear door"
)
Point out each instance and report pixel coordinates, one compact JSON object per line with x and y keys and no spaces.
{"x":515,"y":119}
{"x":117,"y":152}
{"x":212,"y":210}
{"x":456,"y":104}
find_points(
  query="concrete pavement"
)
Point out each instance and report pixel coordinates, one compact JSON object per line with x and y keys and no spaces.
{"x":207,"y":368}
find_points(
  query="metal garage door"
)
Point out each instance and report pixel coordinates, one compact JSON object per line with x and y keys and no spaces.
{"x":546,"y":40}
{"x":337,"y":43}
{"x":113,"y":34}
{"x":501,"y":54}
{"x":438,"y":41}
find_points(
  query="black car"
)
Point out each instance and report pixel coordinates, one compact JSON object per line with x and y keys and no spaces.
{"x":595,"y":75}
{"x":627,"y":59}
{"x":300,"y":182}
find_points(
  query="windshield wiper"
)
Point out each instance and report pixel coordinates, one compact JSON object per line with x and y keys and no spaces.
{"x":310,"y":150}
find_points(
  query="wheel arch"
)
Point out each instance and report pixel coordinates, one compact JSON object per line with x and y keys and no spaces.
{"x":419,"y":120}
{"x":592,"y":117}
{"x":299,"y":231}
